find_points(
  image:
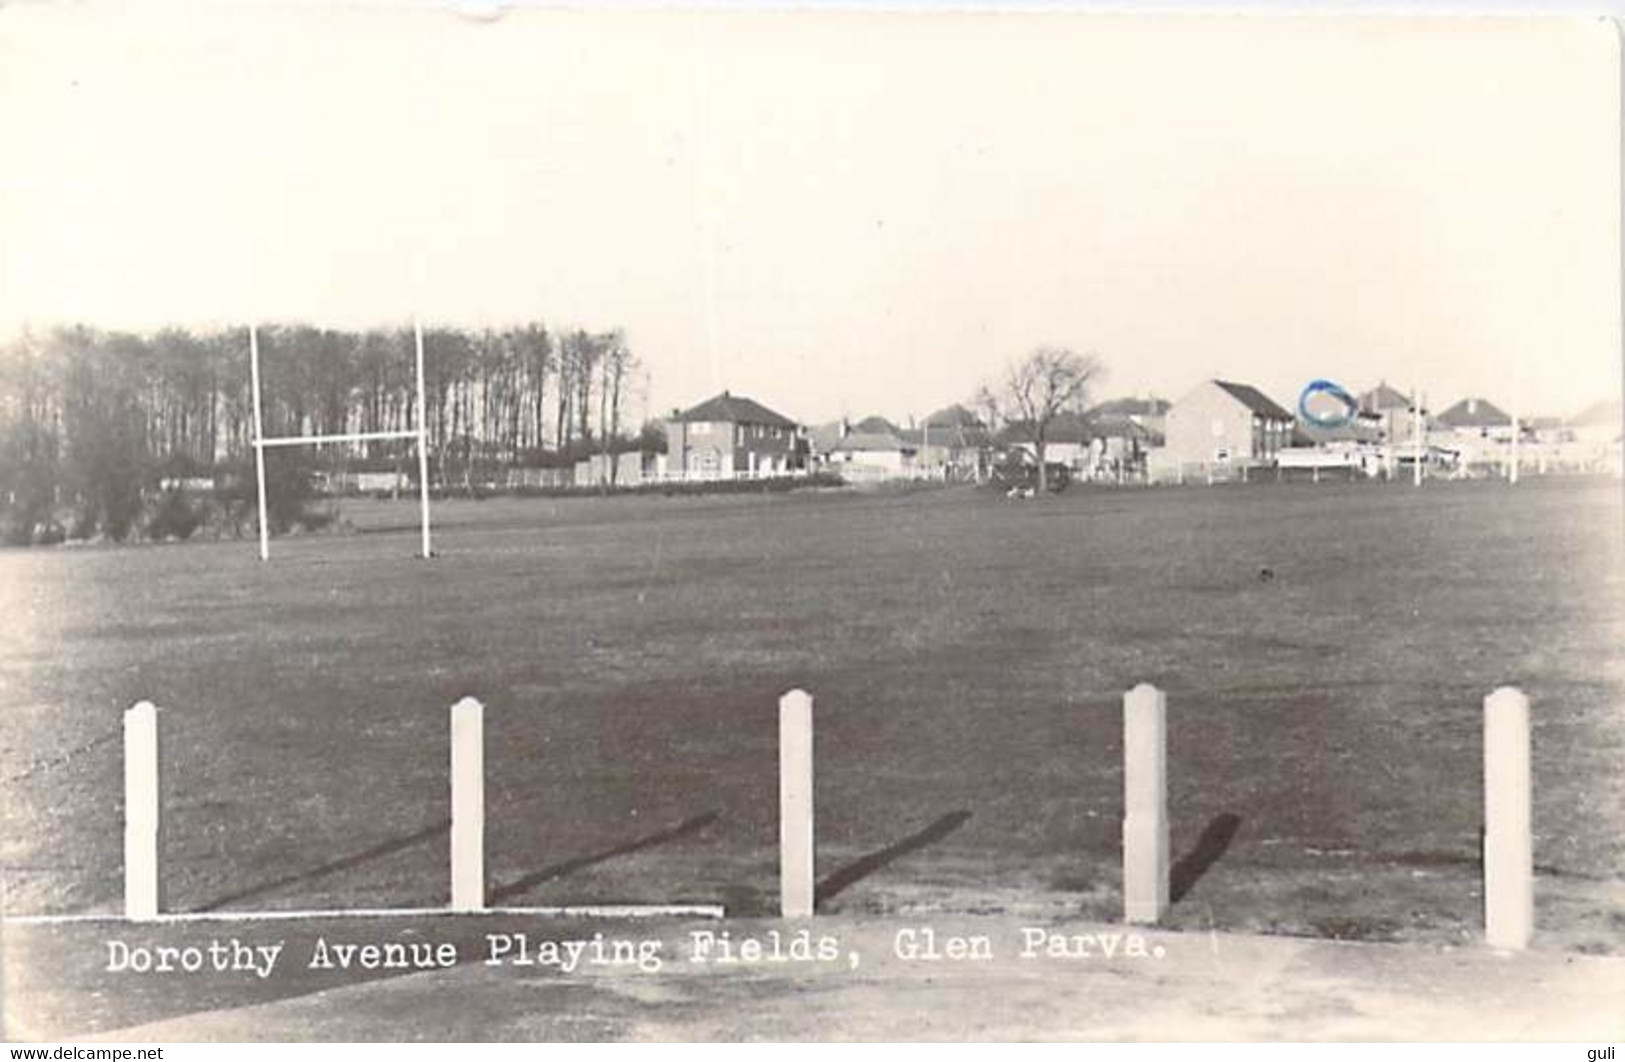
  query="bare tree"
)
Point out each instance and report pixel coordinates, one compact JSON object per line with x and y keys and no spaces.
{"x":1037,"y":389}
{"x":619,"y":363}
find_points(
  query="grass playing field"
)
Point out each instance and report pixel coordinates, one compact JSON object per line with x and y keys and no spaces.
{"x":967,"y":655}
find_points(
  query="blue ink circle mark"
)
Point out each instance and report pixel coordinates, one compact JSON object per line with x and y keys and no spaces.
{"x":1348,"y":406}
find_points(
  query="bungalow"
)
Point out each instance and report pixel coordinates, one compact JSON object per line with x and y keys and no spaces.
{"x":1477,"y":417}
{"x":1221,"y":423}
{"x":952,"y":443}
{"x":1478,"y":431}
{"x":1066,"y":439}
{"x":730,"y":434}
{"x":871,"y":455}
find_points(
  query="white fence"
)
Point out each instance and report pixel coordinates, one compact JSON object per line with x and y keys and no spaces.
{"x":1508,"y":881}
{"x":1508,"y":848}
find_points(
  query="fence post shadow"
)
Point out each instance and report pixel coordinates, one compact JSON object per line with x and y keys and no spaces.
{"x":570,"y":866}
{"x":1209,"y":848}
{"x":855,"y":871}
{"x":377,"y":851}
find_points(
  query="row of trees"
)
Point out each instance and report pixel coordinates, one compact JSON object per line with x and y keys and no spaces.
{"x":92,"y":419}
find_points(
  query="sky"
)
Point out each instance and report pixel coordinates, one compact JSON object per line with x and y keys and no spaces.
{"x":841,"y":212}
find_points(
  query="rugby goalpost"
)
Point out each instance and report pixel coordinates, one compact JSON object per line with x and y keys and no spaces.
{"x":420,"y":433}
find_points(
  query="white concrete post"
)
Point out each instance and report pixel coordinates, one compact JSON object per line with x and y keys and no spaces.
{"x":467,"y":805}
{"x":1145,"y":804}
{"x":1509,"y":901}
{"x":1418,"y":439}
{"x":796,"y":854}
{"x":142,"y":813}
{"x":1512,"y":471}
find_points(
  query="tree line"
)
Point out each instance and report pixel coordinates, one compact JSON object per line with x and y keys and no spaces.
{"x":92,"y":421}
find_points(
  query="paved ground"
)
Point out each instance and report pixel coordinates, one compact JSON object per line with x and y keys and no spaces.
{"x":1156,"y":985}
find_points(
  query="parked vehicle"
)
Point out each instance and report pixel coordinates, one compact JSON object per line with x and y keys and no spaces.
{"x":1018,"y":472}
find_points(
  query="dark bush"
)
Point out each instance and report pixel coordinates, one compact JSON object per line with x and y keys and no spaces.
{"x":15,"y":530}
{"x":84,"y":524}
{"x":175,"y":517}
{"x":316,"y":519}
{"x":288,"y":491}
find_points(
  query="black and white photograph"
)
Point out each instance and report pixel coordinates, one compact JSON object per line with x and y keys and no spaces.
{"x":532,"y":523}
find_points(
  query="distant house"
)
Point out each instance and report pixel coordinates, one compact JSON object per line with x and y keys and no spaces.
{"x":876,"y":425}
{"x":1221,"y":423}
{"x":1119,"y":444}
{"x":1066,"y":439}
{"x":824,"y":438}
{"x":1599,"y":423}
{"x":1394,"y":412}
{"x":871,"y":455}
{"x":953,"y":441}
{"x":1383,"y":399}
{"x":1476,"y":416}
{"x":1149,"y":412}
{"x":730,"y":434}
{"x":1476,"y":430}
{"x":1546,"y":429}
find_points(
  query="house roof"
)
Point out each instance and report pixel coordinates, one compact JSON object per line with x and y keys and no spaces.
{"x":875,"y":425}
{"x":944,"y":435}
{"x":1132,"y":407}
{"x":1072,"y":428}
{"x":1474,"y":413}
{"x":1384,"y":397}
{"x":735,"y":409}
{"x":1118,"y":426}
{"x":870,"y":442}
{"x":1253,"y":399}
{"x":954,"y":416}
{"x":1062,"y":428}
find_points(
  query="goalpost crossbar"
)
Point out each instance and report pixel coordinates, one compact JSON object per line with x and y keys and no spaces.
{"x":357,"y":436}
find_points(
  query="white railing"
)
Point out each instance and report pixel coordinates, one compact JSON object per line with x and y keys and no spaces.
{"x":1506,"y":885}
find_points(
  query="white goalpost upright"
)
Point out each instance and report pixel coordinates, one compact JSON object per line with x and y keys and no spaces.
{"x":420,"y":433}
